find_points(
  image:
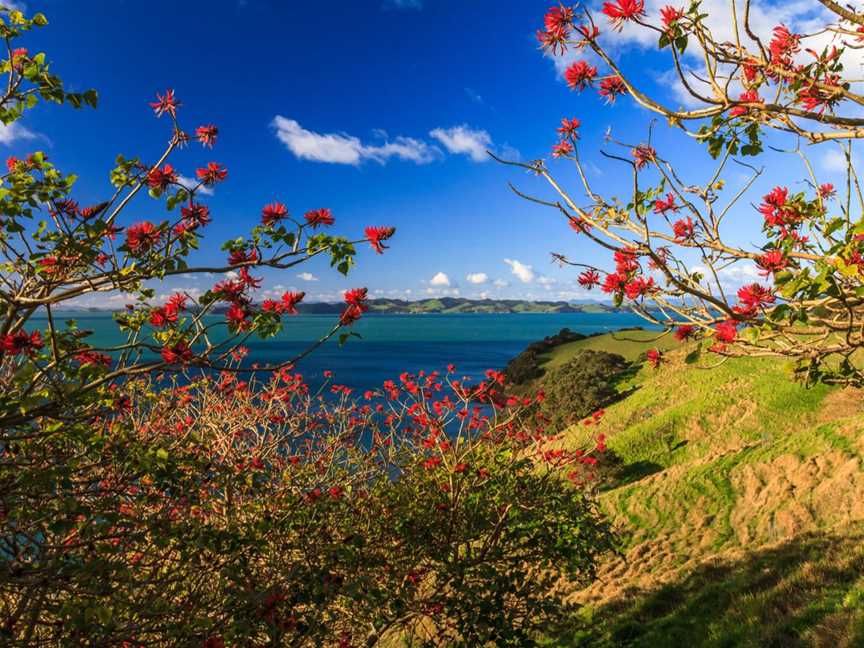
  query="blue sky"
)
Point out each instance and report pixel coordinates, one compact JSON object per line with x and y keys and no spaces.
{"x":412,"y":90}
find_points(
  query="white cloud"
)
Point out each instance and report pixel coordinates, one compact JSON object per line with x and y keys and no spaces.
{"x":443,"y":292}
{"x":545,"y":281}
{"x":464,"y":140}
{"x":440,"y":279}
{"x":339,"y":148}
{"x":307,"y":276}
{"x":189,"y":184}
{"x":477,"y":278}
{"x":483,"y":295}
{"x":500,"y":283}
{"x":523,"y":272}
{"x":14,"y":132}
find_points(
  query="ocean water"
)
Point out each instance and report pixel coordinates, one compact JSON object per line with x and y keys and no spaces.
{"x":391,"y":344}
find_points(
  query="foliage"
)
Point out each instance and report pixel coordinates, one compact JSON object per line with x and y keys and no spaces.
{"x":165,"y":492}
{"x":582,"y":386}
{"x":667,"y":237}
{"x":526,"y":366}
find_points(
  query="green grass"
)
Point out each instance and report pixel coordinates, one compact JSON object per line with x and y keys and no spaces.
{"x":629,"y":343}
{"x":722,"y":464}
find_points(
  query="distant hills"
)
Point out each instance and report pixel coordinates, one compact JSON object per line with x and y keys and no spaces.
{"x":451,"y":305}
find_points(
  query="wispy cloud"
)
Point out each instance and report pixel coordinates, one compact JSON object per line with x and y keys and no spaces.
{"x":477,"y":278}
{"x":15,"y":132}
{"x":190,"y":183}
{"x":464,"y":140}
{"x":522,"y":271}
{"x":340,"y":148}
{"x":307,"y":276}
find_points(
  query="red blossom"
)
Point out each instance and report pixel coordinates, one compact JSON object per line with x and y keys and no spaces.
{"x":290,"y":301}
{"x":377,"y":235}
{"x":195,"y":214}
{"x":643,"y":154}
{"x":19,"y":56}
{"x":684,"y":332}
{"x":179,"y":353}
{"x":771,"y":262}
{"x":237,"y":317}
{"x":356,"y":301}
{"x":589,"y":278}
{"x":569,"y":128}
{"x":614,"y":283}
{"x":562,"y":149}
{"x":639,"y":287}
{"x":273,"y":213}
{"x":580,"y":75}
{"x":621,"y":11}
{"x":655,"y":357}
{"x":783,"y":46}
{"x":726,"y":331}
{"x":827,"y":191}
{"x":141,"y":237}
{"x":753,"y":297}
{"x":20,"y":342}
{"x":683,"y":229}
{"x":211,"y":174}
{"x":207,"y":135}
{"x":160,"y":178}
{"x":662,"y":206}
{"x":670,"y":15}
{"x":318,"y":217}
{"x":611,"y":87}
{"x":165,"y":104}
{"x":751,"y":96}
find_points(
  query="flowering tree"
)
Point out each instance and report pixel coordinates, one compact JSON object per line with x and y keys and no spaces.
{"x":162,"y":491}
{"x":788,"y":85}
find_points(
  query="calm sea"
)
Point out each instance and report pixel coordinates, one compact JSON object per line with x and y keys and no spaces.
{"x":391,"y":344}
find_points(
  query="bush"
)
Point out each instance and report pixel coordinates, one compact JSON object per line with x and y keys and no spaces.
{"x":525,"y":367}
{"x":580,"y":387}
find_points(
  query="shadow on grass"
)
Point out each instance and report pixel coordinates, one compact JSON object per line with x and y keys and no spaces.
{"x":806,"y":592}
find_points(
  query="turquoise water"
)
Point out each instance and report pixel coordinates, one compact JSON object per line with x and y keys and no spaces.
{"x":391,"y":344}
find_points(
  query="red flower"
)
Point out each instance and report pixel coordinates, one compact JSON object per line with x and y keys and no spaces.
{"x":783,"y":45}
{"x":179,"y":353}
{"x":753,"y":297}
{"x":141,"y":237}
{"x":655,"y":357}
{"x":558,"y":19}
{"x":589,"y":279}
{"x":207,"y":135}
{"x":639,"y":287}
{"x":356,"y":300}
{"x":611,"y":87}
{"x":19,"y":342}
{"x":751,"y":96}
{"x":212,"y":174}
{"x":643,"y":155}
{"x":248,"y":280}
{"x":726,"y":331}
{"x":826,"y":191}
{"x":663,"y":206}
{"x":670,"y":15}
{"x":626,"y":261}
{"x":273,"y":213}
{"x":161,"y":178}
{"x":562,"y":149}
{"x":378,"y":234}
{"x":167,"y":104}
{"x":19,"y":55}
{"x":684,"y":332}
{"x":772,"y":261}
{"x":579,"y":224}
{"x":290,"y":301}
{"x":623,"y":10}
{"x":195,"y":214}
{"x":614,"y":283}
{"x":318,"y":217}
{"x":683,"y":229}
{"x":569,"y":128}
{"x":580,"y":75}
{"x":236,"y":317}
{"x":241,"y":256}
{"x":93,"y":358}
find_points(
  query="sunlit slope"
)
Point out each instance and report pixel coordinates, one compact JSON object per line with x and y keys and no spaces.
{"x":741,"y":496}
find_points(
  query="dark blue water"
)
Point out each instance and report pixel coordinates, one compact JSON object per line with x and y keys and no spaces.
{"x":391,"y":344}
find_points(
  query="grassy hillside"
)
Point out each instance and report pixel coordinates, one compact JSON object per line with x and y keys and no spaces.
{"x":630,"y":343}
{"x":741,"y":499}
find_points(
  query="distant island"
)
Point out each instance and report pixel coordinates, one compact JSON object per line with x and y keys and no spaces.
{"x":446,"y":305}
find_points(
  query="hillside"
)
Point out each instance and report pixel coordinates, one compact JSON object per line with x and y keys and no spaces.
{"x":741,"y":498}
